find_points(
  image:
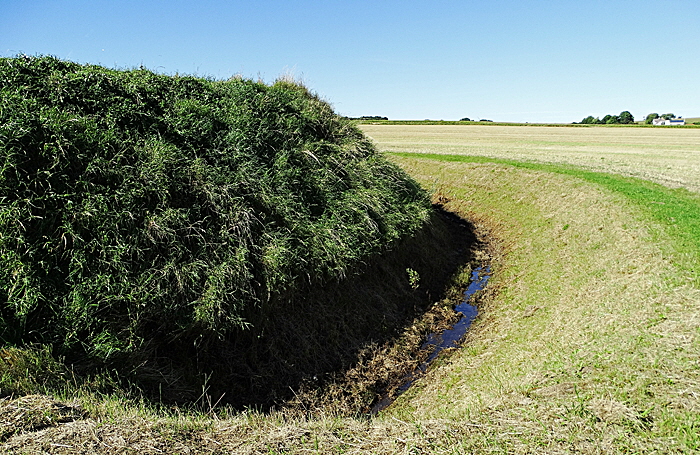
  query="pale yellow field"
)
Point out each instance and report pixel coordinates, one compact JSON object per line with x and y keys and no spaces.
{"x":670,"y":156}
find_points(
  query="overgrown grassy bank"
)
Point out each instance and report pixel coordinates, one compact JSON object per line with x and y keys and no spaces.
{"x":152,"y":224}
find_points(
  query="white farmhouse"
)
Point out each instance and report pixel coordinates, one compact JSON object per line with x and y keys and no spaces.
{"x":668,"y":122}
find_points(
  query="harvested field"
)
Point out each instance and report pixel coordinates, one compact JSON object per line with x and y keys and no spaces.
{"x":670,"y":156}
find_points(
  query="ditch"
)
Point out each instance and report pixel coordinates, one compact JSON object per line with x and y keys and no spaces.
{"x":437,"y":342}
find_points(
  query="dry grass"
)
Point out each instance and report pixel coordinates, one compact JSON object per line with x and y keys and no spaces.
{"x":670,"y":156}
{"x":588,"y":344}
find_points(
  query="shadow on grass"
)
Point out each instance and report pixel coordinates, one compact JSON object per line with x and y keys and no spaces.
{"x":336,"y":348}
{"x":323,"y":343}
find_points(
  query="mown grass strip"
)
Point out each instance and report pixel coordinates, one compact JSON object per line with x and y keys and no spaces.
{"x":675,"y":208}
{"x":585,"y":334}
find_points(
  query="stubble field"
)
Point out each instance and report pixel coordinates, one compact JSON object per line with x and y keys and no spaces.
{"x":664,"y":155}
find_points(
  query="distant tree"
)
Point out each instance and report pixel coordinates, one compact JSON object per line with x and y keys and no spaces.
{"x":465,"y":119}
{"x":611,"y":119}
{"x":591,"y":120}
{"x":668,"y":116}
{"x":626,"y":117}
{"x":651,"y":117}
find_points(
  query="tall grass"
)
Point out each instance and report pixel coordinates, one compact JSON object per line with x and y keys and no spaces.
{"x":142,"y":214}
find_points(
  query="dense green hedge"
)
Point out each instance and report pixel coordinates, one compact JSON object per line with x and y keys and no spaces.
{"x":138,"y":208}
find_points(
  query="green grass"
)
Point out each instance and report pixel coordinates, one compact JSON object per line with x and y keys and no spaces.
{"x":179,"y":220}
{"x":588,"y":333}
{"x":587,"y":339}
{"x":677,"y":209}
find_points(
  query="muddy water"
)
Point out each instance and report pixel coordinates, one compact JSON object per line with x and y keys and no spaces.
{"x":449,"y":338}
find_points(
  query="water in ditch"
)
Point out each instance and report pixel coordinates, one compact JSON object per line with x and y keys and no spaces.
{"x":449,"y":338}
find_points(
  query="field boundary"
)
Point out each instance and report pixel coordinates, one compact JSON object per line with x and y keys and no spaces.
{"x":489,"y":123}
{"x":678,"y":209}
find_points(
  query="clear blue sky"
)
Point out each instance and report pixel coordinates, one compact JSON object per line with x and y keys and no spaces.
{"x":505,"y":60}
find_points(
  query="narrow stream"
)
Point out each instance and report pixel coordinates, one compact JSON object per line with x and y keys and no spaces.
{"x":449,"y":338}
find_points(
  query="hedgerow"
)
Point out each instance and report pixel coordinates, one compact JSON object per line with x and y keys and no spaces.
{"x":139,"y":209}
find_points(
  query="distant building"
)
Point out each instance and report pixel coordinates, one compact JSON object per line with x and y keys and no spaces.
{"x":668,"y":122}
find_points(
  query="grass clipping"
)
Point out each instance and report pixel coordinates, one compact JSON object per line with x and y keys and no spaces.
{"x":145,"y":216}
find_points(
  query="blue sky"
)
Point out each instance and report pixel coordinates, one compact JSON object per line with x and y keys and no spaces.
{"x":534,"y":61}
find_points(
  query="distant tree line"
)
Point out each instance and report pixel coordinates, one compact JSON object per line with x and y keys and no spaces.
{"x":369,"y":117}
{"x":624,"y":118}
